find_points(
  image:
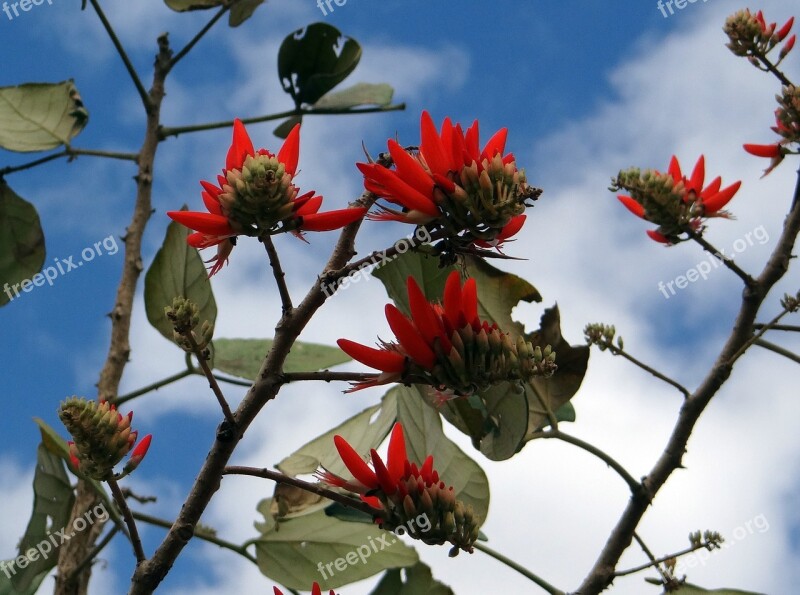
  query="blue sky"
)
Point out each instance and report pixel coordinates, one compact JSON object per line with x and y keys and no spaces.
{"x":586,"y":89}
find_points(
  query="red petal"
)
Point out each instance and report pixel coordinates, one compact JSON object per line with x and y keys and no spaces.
{"x":380,"y":359}
{"x":633,"y":206}
{"x":241,"y":146}
{"x":212,"y":204}
{"x":511,"y":228}
{"x":409,"y":338}
{"x":290,"y":151}
{"x":453,"y":305}
{"x":396,"y":460}
{"x":675,"y":169}
{"x":431,"y":146}
{"x":422,"y":312}
{"x":698,"y":175}
{"x":426,"y":471}
{"x":355,"y":464}
{"x":331,"y":219}
{"x":721,"y":198}
{"x":388,"y":486}
{"x":276,"y":591}
{"x":496,"y":144}
{"x":768,"y":151}
{"x":309,"y":205}
{"x":141,"y":448}
{"x":399,"y":190}
{"x":471,"y":140}
{"x":712,"y":188}
{"x":469,"y":299}
{"x":213,"y":225}
{"x":784,"y":31}
{"x":410,"y":170}
{"x":658,"y":237}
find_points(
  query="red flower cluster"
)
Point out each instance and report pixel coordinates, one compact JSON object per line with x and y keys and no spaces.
{"x":452,"y":183}
{"x":674,"y":201}
{"x":447,"y":345}
{"x":255,"y":195}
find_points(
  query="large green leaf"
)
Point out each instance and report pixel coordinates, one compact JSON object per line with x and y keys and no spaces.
{"x":40,"y":116}
{"x":184,"y":5}
{"x":294,"y":554}
{"x":418,"y":581}
{"x":243,"y":357}
{"x":22,"y":249}
{"x":424,"y":436}
{"x":177,"y":271}
{"x":313,"y":60}
{"x":52,"y":505}
{"x":242,"y":10}
{"x":689,"y":589}
{"x":357,"y":95}
{"x":363,"y":431}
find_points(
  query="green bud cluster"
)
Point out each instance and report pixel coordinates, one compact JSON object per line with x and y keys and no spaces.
{"x":260,"y":195}
{"x":484,"y":199}
{"x":185,"y":317}
{"x":448,"y":520}
{"x":788,"y":114}
{"x":601,"y":335}
{"x":102,"y":437}
{"x":745,"y":35}
{"x":478,"y":360}
{"x":791,"y":303}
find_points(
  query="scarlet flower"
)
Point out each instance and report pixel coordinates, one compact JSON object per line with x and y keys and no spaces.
{"x":787,"y":125}
{"x":315,"y":590}
{"x":751,"y":36}
{"x":400,"y":491}
{"x":448,"y":346}
{"x":672,"y":200}
{"x":451,"y":183}
{"x":255,"y":195}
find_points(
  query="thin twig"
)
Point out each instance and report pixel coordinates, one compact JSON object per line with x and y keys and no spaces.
{"x":143,"y":94}
{"x":167,"y":131}
{"x":154,"y":386}
{"x":761,"y":332}
{"x":280,"y":276}
{"x":212,"y":382}
{"x":634,"y":485}
{"x":187,"y":48}
{"x":519,"y":568}
{"x":122,"y":504}
{"x":314,"y":488}
{"x":728,"y":262}
{"x":778,"y":349}
{"x":69,"y":152}
{"x":615,"y":350}
{"x":779,"y":327}
{"x":653,"y":562}
{"x":200,"y":534}
{"x":326,"y":376}
{"x":662,"y":559}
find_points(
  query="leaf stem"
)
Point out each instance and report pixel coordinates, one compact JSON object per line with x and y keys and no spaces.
{"x":518,"y":567}
{"x":615,"y":350}
{"x":155,"y":386}
{"x":143,"y":94}
{"x":200,"y":534}
{"x":119,"y":498}
{"x":187,"y":48}
{"x":167,"y":131}
{"x":778,"y":349}
{"x":314,"y":488}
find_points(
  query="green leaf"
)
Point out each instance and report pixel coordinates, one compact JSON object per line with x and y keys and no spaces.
{"x":184,"y":5}
{"x":363,"y":431}
{"x":291,"y":556}
{"x":22,"y":250}
{"x":284,"y":128}
{"x":313,"y":60}
{"x":423,"y":267}
{"x":52,"y":506}
{"x":418,"y":580}
{"x":359,"y":94}
{"x":177,"y":271}
{"x":689,"y":589}
{"x":242,"y":10}
{"x":424,"y":436}
{"x":40,"y":116}
{"x":243,"y":357}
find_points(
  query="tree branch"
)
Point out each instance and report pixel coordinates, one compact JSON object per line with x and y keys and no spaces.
{"x":478,"y":545}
